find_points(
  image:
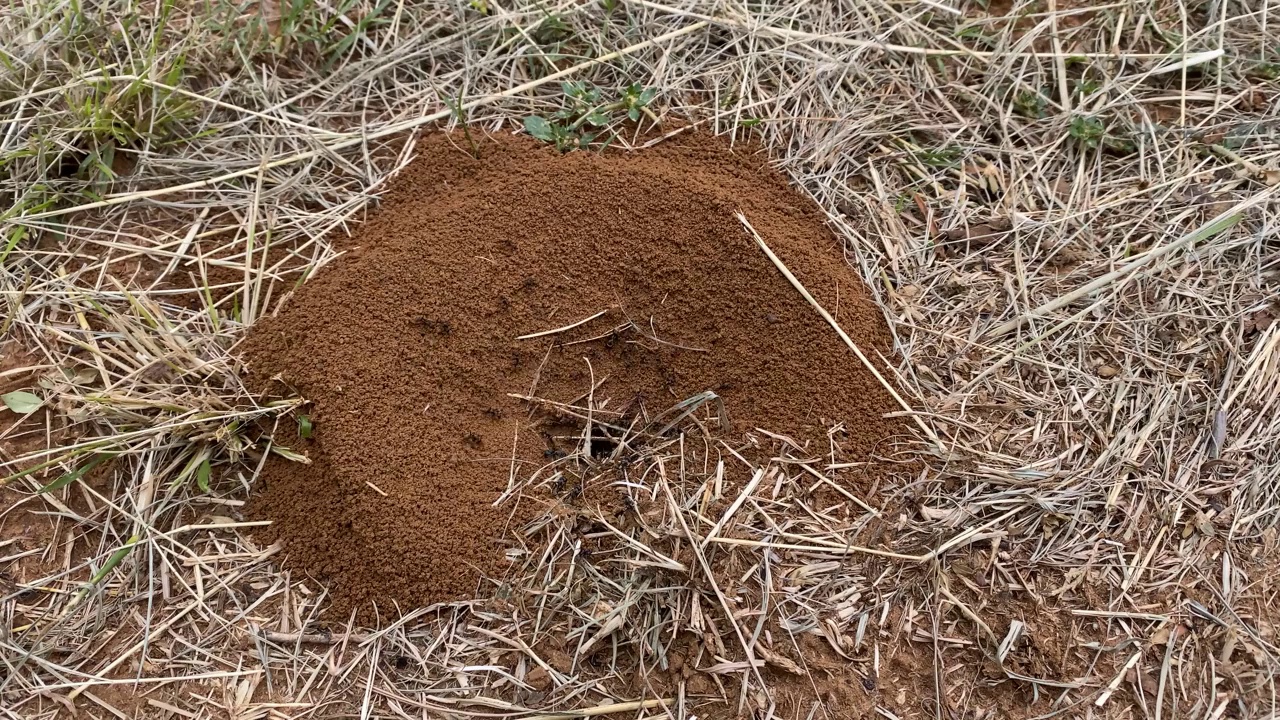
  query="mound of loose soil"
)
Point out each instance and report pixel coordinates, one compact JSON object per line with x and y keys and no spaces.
{"x":408,"y":347}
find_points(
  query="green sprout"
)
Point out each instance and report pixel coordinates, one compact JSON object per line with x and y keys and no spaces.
{"x":1088,"y":131}
{"x":1265,"y":71}
{"x":202,"y":475}
{"x":584,"y":107}
{"x":636,"y":99}
{"x":1029,"y":104}
{"x":1092,"y":133}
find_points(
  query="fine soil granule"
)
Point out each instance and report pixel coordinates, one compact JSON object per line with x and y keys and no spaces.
{"x":407,"y":345}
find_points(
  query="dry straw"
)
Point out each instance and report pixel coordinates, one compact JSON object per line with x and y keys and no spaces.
{"x":1066,"y":211}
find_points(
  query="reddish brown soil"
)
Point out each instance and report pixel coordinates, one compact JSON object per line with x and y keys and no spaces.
{"x":407,"y":346}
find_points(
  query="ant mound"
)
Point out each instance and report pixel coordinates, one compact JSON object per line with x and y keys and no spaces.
{"x":502,"y":313}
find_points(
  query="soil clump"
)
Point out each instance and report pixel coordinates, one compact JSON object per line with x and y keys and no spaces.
{"x":409,"y":347}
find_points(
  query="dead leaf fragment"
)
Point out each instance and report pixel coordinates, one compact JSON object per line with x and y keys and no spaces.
{"x":948,"y":517}
{"x":980,"y":234}
{"x":1204,"y":524}
{"x":781,"y":662}
{"x":539,"y":679}
{"x":1161,"y":636}
{"x":1260,"y":320}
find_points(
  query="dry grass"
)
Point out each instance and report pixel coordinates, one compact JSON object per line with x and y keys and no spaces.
{"x":1066,"y":211}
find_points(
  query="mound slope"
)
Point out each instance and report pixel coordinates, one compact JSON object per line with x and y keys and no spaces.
{"x":409,"y":347}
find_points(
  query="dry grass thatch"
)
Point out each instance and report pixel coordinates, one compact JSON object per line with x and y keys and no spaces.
{"x":1066,"y":210}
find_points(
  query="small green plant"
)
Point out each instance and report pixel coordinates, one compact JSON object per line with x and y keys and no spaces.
{"x":1172,"y":41}
{"x":305,"y":428}
{"x":327,"y":31}
{"x":1090,"y":132}
{"x":583,"y":108}
{"x":67,"y":478}
{"x":21,"y":402}
{"x":552,"y":32}
{"x":977,"y":35}
{"x":1265,"y":71}
{"x":636,"y":99}
{"x":359,"y":31}
{"x":202,"y":475}
{"x":948,"y":156}
{"x":109,"y":122}
{"x":460,"y":116}
{"x":1086,"y":87}
{"x":1029,"y":104}
{"x":1241,"y":135}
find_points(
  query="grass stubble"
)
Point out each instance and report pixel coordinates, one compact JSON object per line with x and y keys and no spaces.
{"x":1067,"y":213}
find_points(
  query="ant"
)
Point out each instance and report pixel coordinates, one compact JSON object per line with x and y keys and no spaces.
{"x":628,"y":506}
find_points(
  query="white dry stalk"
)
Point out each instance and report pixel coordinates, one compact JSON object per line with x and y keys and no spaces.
{"x":875,"y":372}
